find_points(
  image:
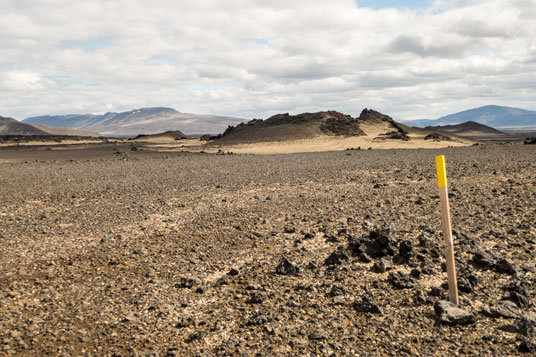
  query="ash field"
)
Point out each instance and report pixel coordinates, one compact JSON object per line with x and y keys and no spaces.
{"x":111,"y":251}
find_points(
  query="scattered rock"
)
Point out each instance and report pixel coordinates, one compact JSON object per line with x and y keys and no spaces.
{"x":506,"y":309}
{"x":485,"y":259}
{"x":519,"y":291}
{"x":317,"y":334}
{"x":383,"y":265}
{"x":257,"y":319}
{"x":287,"y":268}
{"x":338,"y":257}
{"x":336,"y":290}
{"x":363,"y":304}
{"x":255,"y":298}
{"x":289,"y":229}
{"x":506,"y":266}
{"x":406,"y":249}
{"x":527,"y":346}
{"x":233,"y":272}
{"x":400,"y":280}
{"x":195,"y":336}
{"x":188,"y":282}
{"x":450,"y":314}
{"x":526,"y":324}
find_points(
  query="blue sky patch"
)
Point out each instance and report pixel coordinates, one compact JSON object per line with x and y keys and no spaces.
{"x":395,"y":4}
{"x":97,"y":45}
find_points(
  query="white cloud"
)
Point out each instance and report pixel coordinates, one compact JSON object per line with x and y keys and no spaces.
{"x":256,"y":58}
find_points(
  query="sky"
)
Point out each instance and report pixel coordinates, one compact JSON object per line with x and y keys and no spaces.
{"x":255,"y":58}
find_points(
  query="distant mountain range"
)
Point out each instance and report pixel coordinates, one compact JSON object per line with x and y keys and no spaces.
{"x":490,"y":115}
{"x":140,"y":121}
{"x":10,"y":126}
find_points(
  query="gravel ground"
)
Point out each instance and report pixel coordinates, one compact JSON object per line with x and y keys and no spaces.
{"x":124,"y":252}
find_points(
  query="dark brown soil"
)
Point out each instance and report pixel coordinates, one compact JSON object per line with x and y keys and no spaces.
{"x":145,"y":253}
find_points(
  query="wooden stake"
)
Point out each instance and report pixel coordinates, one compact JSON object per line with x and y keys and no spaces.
{"x":447,"y":230}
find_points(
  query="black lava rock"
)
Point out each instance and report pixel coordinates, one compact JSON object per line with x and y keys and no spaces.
{"x":450,"y":314}
{"x":506,"y":309}
{"x":506,"y":266}
{"x":188,"y":282}
{"x":383,"y":265}
{"x":485,"y":259}
{"x":287,"y":268}
{"x":338,"y":257}
{"x":400,"y":280}
{"x":257,"y":319}
{"x":363,"y":304}
{"x":255,"y":298}
{"x":406,"y":249}
{"x":527,"y":346}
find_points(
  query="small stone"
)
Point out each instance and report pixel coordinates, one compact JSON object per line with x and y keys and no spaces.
{"x":450,"y":314}
{"x":257,"y":319}
{"x":416,"y":273}
{"x":201,"y":289}
{"x":317,"y":334}
{"x":339,"y":300}
{"x":312,"y":265}
{"x":336,"y":290}
{"x":188,"y":282}
{"x":289,"y":229}
{"x":526,"y":324}
{"x":233,"y":272}
{"x":419,"y":298}
{"x":255,"y":298}
{"x":400,"y":280}
{"x":485,"y":259}
{"x":506,"y":266}
{"x":224,"y":280}
{"x":506,"y":309}
{"x":287,"y":268}
{"x":365,"y":258}
{"x":527,"y":346}
{"x":363,"y":304}
{"x":383,"y":265}
{"x":338,"y":257}
{"x":130,"y":317}
{"x":406,"y":249}
{"x":194,"y":336}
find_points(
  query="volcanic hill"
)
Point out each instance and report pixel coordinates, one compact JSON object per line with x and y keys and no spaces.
{"x":286,"y":127}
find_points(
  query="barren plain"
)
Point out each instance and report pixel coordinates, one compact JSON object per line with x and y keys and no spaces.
{"x":111,"y":250}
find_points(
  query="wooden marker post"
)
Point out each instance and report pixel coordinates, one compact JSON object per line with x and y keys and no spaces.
{"x":447,"y":230}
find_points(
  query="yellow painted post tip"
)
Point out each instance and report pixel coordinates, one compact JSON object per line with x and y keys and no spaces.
{"x":441,"y":171}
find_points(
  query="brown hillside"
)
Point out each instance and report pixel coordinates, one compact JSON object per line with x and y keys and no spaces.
{"x":53,"y":130}
{"x":10,"y":126}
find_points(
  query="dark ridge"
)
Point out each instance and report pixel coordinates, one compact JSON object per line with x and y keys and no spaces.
{"x":49,"y":138}
{"x":400,"y":133}
{"x":175,"y":134}
{"x":437,"y":137}
{"x":281,"y":127}
{"x":467,"y":126}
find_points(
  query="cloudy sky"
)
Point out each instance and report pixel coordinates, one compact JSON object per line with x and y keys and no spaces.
{"x":254,"y":58}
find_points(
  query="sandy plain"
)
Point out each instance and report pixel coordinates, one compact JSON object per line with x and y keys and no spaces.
{"x":122,"y":249}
